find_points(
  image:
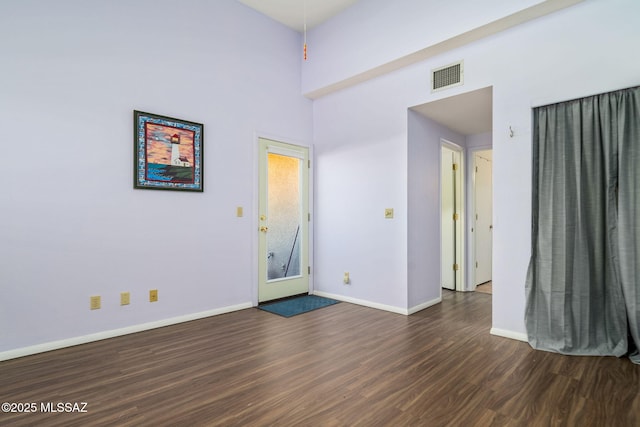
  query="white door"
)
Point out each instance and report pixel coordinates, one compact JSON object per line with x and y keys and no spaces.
{"x":284,"y":220}
{"x":450,"y":247}
{"x":483,"y":216}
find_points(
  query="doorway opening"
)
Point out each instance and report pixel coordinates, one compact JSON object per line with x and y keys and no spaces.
{"x":467,"y":120}
{"x":482,"y":227}
{"x":452,"y":216}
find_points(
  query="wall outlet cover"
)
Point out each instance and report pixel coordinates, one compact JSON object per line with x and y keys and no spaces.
{"x":125,"y":298}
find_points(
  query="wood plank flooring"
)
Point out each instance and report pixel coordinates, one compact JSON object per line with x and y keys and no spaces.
{"x":486,"y":288}
{"x":343,"y":365}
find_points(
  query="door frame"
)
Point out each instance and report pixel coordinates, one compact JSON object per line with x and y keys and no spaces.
{"x":461,"y":199}
{"x":471,"y":194}
{"x":255,"y":207}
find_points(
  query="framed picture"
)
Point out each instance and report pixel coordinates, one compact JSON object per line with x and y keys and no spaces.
{"x":167,"y":153}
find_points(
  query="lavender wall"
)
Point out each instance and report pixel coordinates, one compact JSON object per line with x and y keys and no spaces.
{"x":372,"y":33}
{"x":424,"y":261}
{"x":361,"y":140}
{"x":73,"y":70}
{"x":361,"y":165}
{"x":72,"y":225}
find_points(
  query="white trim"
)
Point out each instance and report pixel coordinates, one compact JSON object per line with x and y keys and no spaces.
{"x":427,"y":304}
{"x":257,"y":135}
{"x":70,"y":342}
{"x":301,"y":152}
{"x":284,"y":151}
{"x":471,"y":201}
{"x":311,"y":206}
{"x":378,"y":306}
{"x":471,"y":278}
{"x":451,"y":145}
{"x":509,"y":334}
{"x":462,"y":152}
{"x":365,"y":303}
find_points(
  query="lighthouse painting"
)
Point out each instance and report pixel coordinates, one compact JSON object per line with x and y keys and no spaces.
{"x":168,"y":153}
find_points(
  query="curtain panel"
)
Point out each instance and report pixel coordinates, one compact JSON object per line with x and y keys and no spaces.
{"x":582,"y":287}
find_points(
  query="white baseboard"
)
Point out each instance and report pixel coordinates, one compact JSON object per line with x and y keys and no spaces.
{"x":378,"y":306}
{"x":510,"y":334}
{"x":424,"y":305}
{"x":70,"y":342}
{"x":365,"y":303}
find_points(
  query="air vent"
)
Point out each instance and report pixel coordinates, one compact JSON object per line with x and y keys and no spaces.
{"x":447,"y":76}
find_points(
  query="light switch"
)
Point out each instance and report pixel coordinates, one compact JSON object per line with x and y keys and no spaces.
{"x":239,"y":211}
{"x":388,"y":213}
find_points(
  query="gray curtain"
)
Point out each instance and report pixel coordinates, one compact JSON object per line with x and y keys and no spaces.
{"x":583,"y":280}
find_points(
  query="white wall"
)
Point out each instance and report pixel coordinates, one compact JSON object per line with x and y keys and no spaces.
{"x":361,"y":141}
{"x":71,"y":224}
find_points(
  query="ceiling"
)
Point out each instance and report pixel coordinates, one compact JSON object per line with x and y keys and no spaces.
{"x":467,"y":114}
{"x":292,"y":12}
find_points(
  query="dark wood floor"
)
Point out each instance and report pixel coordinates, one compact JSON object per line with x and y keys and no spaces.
{"x":343,"y":365}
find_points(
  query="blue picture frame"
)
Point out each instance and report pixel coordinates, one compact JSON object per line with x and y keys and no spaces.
{"x":168,"y":153}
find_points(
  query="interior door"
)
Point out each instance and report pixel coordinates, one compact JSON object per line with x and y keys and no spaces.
{"x":483,"y":216}
{"x":284,"y":220}
{"x":450,"y":246}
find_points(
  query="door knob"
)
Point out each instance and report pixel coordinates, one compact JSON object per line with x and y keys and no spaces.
{"x":264,"y":229}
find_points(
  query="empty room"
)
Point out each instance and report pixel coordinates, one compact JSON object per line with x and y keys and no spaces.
{"x":176,"y":170}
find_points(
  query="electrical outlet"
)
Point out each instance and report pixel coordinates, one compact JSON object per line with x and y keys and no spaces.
{"x":239,"y":211}
{"x":125,"y":298}
{"x":346,"y":278}
{"x":94,"y":303}
{"x":153,"y":295}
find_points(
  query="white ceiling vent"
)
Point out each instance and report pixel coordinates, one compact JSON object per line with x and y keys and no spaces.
{"x":447,"y":76}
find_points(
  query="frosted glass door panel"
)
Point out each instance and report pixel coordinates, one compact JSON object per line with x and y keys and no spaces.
{"x":284,"y":215}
